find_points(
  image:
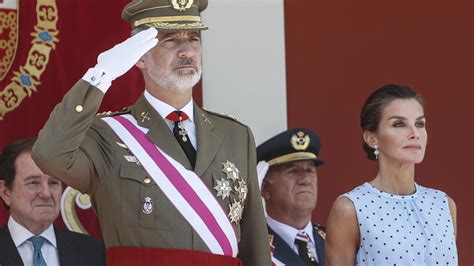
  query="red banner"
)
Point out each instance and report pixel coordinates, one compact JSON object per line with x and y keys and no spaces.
{"x":45,"y":47}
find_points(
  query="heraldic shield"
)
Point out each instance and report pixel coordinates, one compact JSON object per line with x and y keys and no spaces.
{"x":21,"y":79}
{"x":8,"y":34}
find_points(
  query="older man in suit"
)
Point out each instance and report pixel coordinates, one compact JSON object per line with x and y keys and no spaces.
{"x":287,"y":167}
{"x":162,"y":173}
{"x":33,"y":200}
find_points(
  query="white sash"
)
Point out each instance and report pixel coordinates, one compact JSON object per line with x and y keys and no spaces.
{"x":191,"y":197}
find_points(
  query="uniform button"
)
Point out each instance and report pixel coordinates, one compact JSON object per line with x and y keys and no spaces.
{"x":79,"y":108}
{"x":147,"y":180}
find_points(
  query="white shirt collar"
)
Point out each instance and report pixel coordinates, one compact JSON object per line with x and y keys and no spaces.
{"x":165,"y":109}
{"x":288,"y":233}
{"x":20,"y":234}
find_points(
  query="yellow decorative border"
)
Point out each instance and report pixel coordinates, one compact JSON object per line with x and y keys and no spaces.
{"x":292,"y":157}
{"x":69,"y":200}
{"x":26,"y":80}
{"x":13,"y":37}
{"x":166,"y":19}
{"x":178,"y":26}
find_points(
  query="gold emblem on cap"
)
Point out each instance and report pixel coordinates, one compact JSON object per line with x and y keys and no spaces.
{"x":181,"y":5}
{"x":300,"y":141}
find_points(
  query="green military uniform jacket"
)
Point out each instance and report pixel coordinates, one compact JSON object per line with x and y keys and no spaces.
{"x":83,"y":151}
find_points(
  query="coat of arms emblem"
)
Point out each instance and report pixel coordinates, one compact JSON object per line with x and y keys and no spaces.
{"x":21,"y":79}
{"x":8,"y":34}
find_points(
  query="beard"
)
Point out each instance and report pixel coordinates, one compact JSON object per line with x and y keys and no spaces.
{"x":180,"y":81}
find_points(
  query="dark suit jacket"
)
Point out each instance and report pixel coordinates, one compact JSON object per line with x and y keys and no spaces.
{"x":73,"y":249}
{"x":285,"y":253}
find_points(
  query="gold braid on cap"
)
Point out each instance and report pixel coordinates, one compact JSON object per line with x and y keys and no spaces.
{"x":165,"y":19}
{"x":292,"y":157}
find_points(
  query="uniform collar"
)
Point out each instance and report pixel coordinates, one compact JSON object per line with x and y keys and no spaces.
{"x":20,"y":234}
{"x":165,"y":109}
{"x":288,"y":233}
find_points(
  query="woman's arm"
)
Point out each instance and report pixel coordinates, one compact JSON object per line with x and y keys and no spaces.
{"x":452,"y":209}
{"x":342,"y":235}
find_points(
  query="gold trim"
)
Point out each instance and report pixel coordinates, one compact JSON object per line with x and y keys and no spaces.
{"x":166,"y":19}
{"x":15,"y":49}
{"x":292,"y":157}
{"x":68,"y":210}
{"x":26,"y":80}
{"x":178,"y":26}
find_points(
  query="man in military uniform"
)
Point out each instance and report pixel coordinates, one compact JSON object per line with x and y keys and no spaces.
{"x":287,"y":167}
{"x":177,"y":181}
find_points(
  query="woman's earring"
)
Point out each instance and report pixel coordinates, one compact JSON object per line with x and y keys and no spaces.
{"x":376,"y":152}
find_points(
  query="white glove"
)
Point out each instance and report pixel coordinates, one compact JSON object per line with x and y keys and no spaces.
{"x":115,"y":62}
{"x":262,"y":169}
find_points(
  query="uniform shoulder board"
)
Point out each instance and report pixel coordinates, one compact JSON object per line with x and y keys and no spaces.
{"x":231,"y":117}
{"x":321,"y":231}
{"x":125,"y":110}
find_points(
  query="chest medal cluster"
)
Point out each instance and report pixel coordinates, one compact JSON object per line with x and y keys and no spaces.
{"x":232,"y":182}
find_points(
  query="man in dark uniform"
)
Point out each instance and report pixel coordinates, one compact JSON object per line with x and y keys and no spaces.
{"x":175,"y":182}
{"x":33,"y":200}
{"x":287,"y":165}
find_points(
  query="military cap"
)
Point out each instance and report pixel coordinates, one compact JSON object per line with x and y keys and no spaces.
{"x":166,"y":14}
{"x":292,"y":145}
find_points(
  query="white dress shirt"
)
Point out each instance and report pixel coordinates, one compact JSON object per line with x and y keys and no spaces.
{"x":20,"y":236}
{"x":288,"y":234}
{"x":165,"y":109}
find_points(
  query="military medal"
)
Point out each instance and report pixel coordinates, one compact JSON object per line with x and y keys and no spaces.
{"x":182,"y":130}
{"x":235,"y":212}
{"x":242,"y":190}
{"x":223,"y":188}
{"x":230,"y":170}
{"x":147,"y":205}
{"x":310,"y":254}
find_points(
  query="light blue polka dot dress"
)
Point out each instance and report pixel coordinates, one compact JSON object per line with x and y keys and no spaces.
{"x":413,"y":229}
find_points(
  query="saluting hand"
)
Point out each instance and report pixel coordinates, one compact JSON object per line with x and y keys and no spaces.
{"x":116,"y":61}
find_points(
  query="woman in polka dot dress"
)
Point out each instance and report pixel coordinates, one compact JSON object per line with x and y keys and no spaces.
{"x":392,"y":220}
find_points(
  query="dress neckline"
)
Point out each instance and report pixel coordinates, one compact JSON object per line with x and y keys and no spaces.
{"x":384,"y":194}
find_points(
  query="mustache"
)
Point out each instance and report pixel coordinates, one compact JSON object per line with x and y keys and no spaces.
{"x":185,"y":62}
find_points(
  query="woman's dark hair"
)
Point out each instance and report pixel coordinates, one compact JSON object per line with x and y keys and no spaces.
{"x":372,"y":110}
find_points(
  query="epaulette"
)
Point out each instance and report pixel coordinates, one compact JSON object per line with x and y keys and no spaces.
{"x":125,"y":110}
{"x":231,"y":117}
{"x":320,"y":231}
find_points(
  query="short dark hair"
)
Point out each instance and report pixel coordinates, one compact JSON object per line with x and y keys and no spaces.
{"x":8,"y":158}
{"x":371,"y":113}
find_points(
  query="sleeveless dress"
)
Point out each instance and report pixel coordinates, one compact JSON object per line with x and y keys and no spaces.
{"x":414,"y":229}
